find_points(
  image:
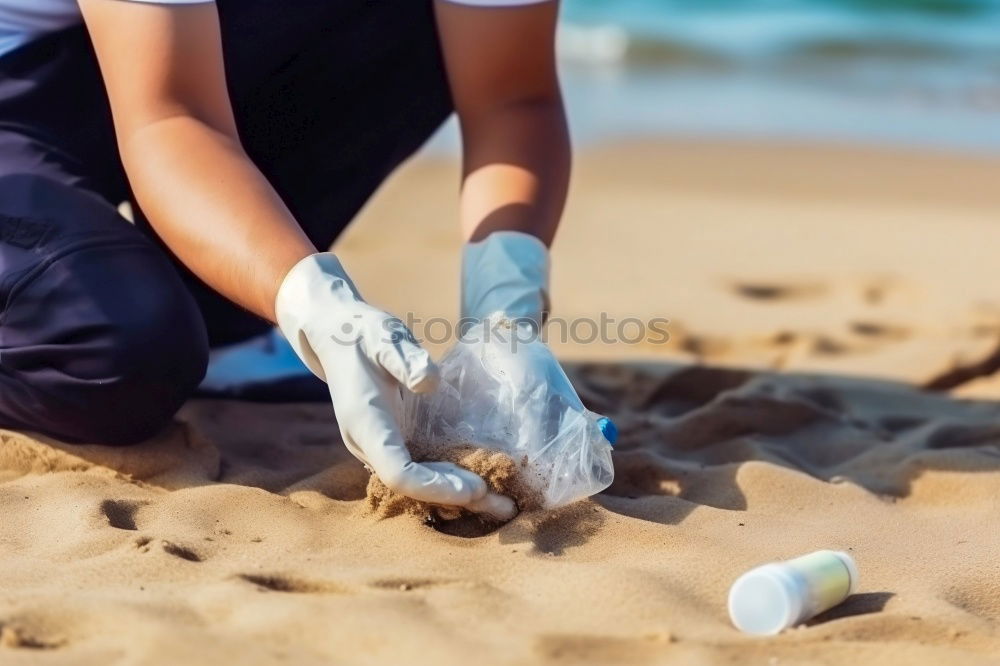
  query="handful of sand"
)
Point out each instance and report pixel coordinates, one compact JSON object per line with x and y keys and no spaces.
{"x":502,"y":474}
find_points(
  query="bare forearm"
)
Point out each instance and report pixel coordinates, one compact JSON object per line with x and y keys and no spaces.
{"x":516,"y":169}
{"x":214,"y":209}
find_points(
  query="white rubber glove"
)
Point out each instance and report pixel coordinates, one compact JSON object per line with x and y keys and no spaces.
{"x":364,"y":355}
{"x":506,"y":273}
{"x":506,"y":276}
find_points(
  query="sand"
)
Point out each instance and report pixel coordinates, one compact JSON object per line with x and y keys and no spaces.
{"x":829,"y":383}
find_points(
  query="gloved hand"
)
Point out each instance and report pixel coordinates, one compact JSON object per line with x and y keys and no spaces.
{"x":506,"y":276}
{"x":365,"y":355}
{"x":507,"y":273}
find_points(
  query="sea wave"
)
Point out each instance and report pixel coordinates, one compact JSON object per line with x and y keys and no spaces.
{"x":721,"y":32}
{"x":613,"y":45}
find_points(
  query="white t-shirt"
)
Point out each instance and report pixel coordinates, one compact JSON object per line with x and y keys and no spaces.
{"x":24,"y":20}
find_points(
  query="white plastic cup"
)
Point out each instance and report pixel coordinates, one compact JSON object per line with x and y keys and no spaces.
{"x":771,"y":598}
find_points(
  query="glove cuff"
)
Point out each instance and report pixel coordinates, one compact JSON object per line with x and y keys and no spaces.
{"x":310,"y":285}
{"x":507,"y":272}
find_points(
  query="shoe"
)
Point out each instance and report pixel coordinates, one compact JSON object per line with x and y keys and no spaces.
{"x":262,"y":369}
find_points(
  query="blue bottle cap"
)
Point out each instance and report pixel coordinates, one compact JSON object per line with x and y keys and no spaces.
{"x":608,"y":429}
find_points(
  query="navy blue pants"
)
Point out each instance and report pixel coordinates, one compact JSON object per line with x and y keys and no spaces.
{"x":103,"y":333}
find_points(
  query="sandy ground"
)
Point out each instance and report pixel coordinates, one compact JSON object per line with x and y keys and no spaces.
{"x":813,"y":294}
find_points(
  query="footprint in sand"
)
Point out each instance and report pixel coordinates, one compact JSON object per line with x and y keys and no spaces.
{"x":857,"y":336}
{"x":19,"y":638}
{"x":777,"y":291}
{"x":870,"y":290}
{"x":171,"y":548}
{"x":879,"y":330}
{"x":121,"y":513}
{"x":145,"y":544}
{"x":289,"y":584}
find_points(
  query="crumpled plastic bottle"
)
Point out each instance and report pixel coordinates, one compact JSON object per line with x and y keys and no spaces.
{"x":503,"y":389}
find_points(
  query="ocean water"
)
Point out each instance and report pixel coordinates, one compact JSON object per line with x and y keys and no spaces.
{"x":781,"y":32}
{"x":920,"y":73}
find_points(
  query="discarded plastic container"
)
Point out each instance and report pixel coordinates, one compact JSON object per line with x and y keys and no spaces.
{"x":502,"y":389}
{"x":773,"y":597}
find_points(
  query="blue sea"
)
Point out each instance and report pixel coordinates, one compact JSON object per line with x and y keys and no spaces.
{"x":918,"y":73}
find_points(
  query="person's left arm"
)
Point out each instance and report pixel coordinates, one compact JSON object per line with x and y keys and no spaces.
{"x":500,"y":59}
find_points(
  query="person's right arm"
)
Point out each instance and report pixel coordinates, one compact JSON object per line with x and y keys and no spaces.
{"x":163,"y":68}
{"x":164,"y":71}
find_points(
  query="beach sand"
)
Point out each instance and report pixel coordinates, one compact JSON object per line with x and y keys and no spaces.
{"x":814,"y":295}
